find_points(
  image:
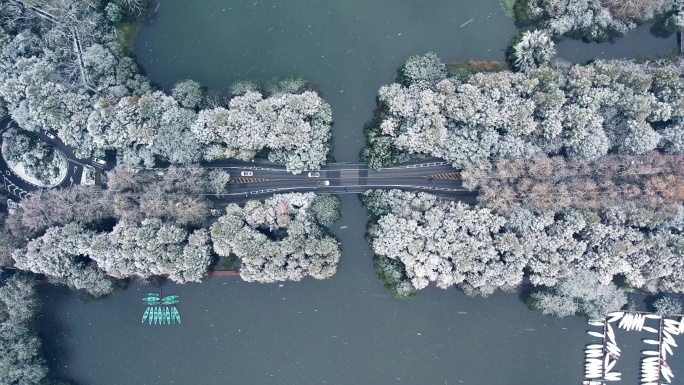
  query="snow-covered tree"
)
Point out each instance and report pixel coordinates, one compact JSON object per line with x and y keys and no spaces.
{"x":535,"y":49}
{"x":58,"y":254}
{"x":152,"y":248}
{"x":423,"y":70}
{"x":580,"y":293}
{"x":445,"y":242}
{"x":188,"y":93}
{"x":667,"y":306}
{"x":20,"y":353}
{"x":277,"y":240}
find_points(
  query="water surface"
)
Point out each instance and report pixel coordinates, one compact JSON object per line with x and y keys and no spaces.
{"x":345,"y":330}
{"x":349,"y":48}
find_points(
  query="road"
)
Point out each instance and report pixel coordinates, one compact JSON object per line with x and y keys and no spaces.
{"x":430,"y":175}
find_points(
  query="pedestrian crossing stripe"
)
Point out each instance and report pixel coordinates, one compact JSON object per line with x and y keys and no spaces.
{"x":449,"y":176}
{"x":248,"y":180}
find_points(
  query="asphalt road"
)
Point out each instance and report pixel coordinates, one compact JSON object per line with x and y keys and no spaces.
{"x":260,"y":178}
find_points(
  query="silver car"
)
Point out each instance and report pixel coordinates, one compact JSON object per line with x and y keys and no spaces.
{"x":246,"y":173}
{"x":323,"y":183}
{"x":314,"y":174}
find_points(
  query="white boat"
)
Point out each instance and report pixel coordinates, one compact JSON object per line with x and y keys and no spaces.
{"x":594,"y":355}
{"x":610,"y":366}
{"x":650,"y":379}
{"x":651,"y":342}
{"x":640,"y":325}
{"x":651,"y":359}
{"x":668,"y":338}
{"x":612,"y":344}
{"x":611,"y":335}
{"x":615,"y":376}
{"x":595,"y":323}
{"x":665,"y":369}
{"x":668,"y":348}
{"x":671,"y":322}
{"x":612,"y":317}
{"x":652,"y":316}
{"x":593,"y":375}
{"x":635,"y":322}
{"x":667,"y":378}
{"x":681,"y":326}
{"x":671,"y":330}
{"x":606,"y":361}
{"x":595,"y":346}
{"x":625,"y":321}
{"x":651,"y":353}
{"x":650,"y":329}
{"x":594,"y":334}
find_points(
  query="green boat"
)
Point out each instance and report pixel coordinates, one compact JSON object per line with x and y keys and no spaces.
{"x":170,"y":297}
{"x":151,"y":303}
{"x":151,"y":295}
{"x":151,"y":299}
{"x":167,"y":315}
{"x":147,"y":312}
{"x":176,"y":315}
{"x":157,"y":312}
{"x":170,"y":302}
{"x":151,"y":316}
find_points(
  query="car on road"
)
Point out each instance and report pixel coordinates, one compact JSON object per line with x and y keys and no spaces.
{"x":323,"y":183}
{"x":99,"y":161}
{"x":50,"y":135}
{"x":246,"y":173}
{"x":314,"y":174}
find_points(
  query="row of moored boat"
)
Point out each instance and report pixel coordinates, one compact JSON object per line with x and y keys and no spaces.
{"x":161,"y":315}
{"x":601,"y":358}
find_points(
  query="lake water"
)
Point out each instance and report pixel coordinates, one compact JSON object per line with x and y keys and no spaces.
{"x":345,"y":330}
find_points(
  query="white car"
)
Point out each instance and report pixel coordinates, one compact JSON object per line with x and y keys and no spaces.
{"x":99,"y":161}
{"x":323,"y":183}
{"x":50,"y":135}
{"x":246,"y":173}
{"x":314,"y":174}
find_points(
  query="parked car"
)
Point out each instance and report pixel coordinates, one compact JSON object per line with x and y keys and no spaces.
{"x":246,"y":173}
{"x":314,"y":174}
{"x":50,"y":135}
{"x":323,"y":183}
{"x":99,"y":161}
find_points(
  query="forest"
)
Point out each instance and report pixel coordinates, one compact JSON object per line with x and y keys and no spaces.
{"x":65,"y":69}
{"x":577,"y":169}
{"x":598,"y":20}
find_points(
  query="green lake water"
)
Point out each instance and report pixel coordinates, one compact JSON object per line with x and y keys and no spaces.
{"x":345,"y":330}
